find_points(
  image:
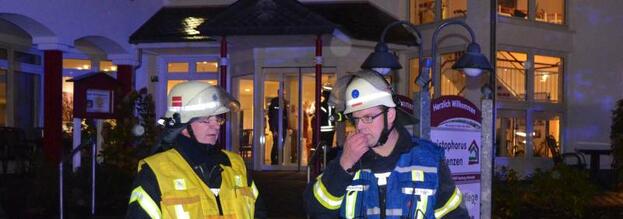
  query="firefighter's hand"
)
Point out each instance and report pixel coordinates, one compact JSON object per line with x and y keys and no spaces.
{"x":355,"y":146}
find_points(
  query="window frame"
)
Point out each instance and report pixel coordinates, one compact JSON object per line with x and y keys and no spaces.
{"x":531,"y":17}
{"x":11,"y":66}
{"x":438,"y":12}
{"x":532,"y":107}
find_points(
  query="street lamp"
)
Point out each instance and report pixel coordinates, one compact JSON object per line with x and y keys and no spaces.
{"x":472,"y":63}
{"x":381,"y":60}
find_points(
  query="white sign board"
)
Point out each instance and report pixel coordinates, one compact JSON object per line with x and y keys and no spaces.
{"x":98,"y":101}
{"x":462,"y":150}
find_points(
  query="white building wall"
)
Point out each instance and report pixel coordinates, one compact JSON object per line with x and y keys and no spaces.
{"x":69,"y":20}
{"x":594,"y":80}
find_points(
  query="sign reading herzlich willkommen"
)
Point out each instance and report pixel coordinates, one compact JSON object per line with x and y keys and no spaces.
{"x":456,"y":127}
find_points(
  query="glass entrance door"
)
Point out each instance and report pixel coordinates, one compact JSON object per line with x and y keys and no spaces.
{"x":288,"y":106}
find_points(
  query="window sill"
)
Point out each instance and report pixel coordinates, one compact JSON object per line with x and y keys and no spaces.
{"x":530,"y":23}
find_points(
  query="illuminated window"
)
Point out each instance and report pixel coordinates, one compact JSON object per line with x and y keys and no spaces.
{"x":107,"y":66}
{"x":546,"y":137}
{"x":453,"y":8}
{"x":511,"y":76}
{"x":422,"y":11}
{"x":550,"y":11}
{"x":78,"y":64}
{"x":177,"y":67}
{"x":548,"y":73}
{"x":205,"y":66}
{"x":513,"y":8}
{"x":452,"y":81}
{"x":510,"y":129}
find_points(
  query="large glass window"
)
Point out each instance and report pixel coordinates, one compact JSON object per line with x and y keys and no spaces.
{"x":26,"y":99}
{"x":242,"y":121}
{"x":77,"y":64}
{"x":177,"y":67}
{"x":452,"y":81}
{"x":107,"y":66}
{"x":68,"y":104}
{"x":548,"y":74}
{"x":546,"y":137}
{"x":510,"y":129}
{"x":422,"y":11}
{"x":513,"y":8}
{"x":550,"y":11}
{"x":205,"y":66}
{"x":453,"y":8}
{"x":511,"y":76}
{"x":289,"y":110}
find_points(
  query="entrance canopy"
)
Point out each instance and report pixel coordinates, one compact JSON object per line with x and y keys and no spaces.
{"x":358,"y":20}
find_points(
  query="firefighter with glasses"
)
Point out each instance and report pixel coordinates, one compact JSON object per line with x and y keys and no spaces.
{"x":193,"y":178}
{"x":382,"y":171}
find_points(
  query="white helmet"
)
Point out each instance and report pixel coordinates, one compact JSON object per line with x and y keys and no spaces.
{"x":366,"y":90}
{"x":196,"y":99}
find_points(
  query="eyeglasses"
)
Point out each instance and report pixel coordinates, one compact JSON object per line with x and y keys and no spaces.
{"x":214,"y":119}
{"x":365,"y":119}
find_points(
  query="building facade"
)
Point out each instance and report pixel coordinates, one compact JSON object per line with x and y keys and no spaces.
{"x":557,"y":73}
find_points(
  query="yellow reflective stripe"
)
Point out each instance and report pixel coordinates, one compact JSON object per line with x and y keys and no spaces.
{"x":325,"y":198}
{"x":351,"y":199}
{"x":145,"y":201}
{"x":254,"y":189}
{"x":453,"y":202}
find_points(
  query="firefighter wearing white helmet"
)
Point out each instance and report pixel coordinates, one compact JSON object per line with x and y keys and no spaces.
{"x":195,"y":99}
{"x":382,"y":171}
{"x":213,"y":182}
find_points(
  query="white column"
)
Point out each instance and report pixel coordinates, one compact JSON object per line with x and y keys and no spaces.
{"x":99,"y":124}
{"x":77,"y":134}
{"x":486,"y":158}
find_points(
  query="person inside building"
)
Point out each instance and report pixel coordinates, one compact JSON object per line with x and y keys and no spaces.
{"x":273,"y":122}
{"x":382,"y":171}
{"x":195,"y":179}
{"x":327,"y":127}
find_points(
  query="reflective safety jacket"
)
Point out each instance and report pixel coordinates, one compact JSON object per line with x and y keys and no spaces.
{"x":185,"y":195}
{"x":408,"y":191}
{"x":326,"y":111}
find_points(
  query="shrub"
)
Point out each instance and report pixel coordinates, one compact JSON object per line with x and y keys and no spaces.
{"x":561,"y":192}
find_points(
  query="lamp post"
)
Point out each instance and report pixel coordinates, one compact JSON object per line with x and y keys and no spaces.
{"x":381,"y":60}
{"x":472,"y":63}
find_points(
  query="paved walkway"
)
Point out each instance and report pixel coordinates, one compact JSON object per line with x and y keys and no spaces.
{"x":282,"y":192}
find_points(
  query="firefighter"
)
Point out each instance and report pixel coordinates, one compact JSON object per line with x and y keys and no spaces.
{"x":194,"y":179}
{"x":327,"y":127}
{"x":382,"y":171}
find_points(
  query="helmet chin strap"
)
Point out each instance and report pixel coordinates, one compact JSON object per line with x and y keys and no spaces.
{"x":193,"y":137}
{"x":385,"y":133}
{"x":189,"y":128}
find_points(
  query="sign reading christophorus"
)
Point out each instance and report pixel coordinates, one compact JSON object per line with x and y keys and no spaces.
{"x":456,"y":127}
